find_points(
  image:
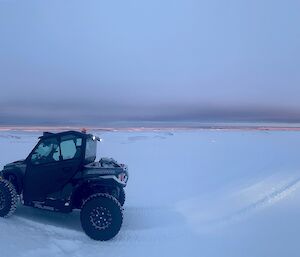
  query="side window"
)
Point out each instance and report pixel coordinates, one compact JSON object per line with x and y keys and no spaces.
{"x":70,"y":147}
{"x":47,"y":151}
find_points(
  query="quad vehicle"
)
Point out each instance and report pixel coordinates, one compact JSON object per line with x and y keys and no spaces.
{"x":60,"y":174}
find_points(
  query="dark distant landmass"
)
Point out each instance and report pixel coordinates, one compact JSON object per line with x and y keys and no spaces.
{"x":156,"y":126}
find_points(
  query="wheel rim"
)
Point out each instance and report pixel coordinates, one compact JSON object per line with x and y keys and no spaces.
{"x":101,"y":218}
{"x":2,"y":200}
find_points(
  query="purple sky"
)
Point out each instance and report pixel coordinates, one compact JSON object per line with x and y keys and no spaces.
{"x":68,"y":62}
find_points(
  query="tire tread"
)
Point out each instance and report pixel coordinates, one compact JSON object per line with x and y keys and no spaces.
{"x":13,"y":196}
{"x":102,"y":195}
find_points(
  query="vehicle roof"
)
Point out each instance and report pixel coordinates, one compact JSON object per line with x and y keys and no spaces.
{"x":70,"y":132}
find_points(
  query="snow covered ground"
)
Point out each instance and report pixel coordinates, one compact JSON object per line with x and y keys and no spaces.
{"x":190,"y":193}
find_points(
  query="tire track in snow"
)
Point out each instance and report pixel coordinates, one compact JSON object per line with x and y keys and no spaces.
{"x":267,"y":200}
{"x":204,"y":215}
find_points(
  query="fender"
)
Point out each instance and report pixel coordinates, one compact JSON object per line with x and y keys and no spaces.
{"x":15,"y":173}
{"x":16,"y":178}
{"x":87,"y":187}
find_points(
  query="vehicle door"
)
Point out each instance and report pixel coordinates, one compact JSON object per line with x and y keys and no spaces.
{"x":51,"y":165}
{"x":42,"y":165}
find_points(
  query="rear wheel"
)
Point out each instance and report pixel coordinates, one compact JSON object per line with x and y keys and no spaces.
{"x":8,"y":198}
{"x":101,"y":217}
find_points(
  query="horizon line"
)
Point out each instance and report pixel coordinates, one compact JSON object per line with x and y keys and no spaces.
{"x":163,"y":126}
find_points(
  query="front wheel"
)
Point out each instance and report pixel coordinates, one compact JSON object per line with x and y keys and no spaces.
{"x":101,"y":217}
{"x":8,"y":198}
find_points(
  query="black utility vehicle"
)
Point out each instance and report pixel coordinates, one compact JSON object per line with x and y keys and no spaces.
{"x":60,"y":174}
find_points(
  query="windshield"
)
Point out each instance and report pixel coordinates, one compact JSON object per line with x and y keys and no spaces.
{"x":90,"y":150}
{"x":47,"y":151}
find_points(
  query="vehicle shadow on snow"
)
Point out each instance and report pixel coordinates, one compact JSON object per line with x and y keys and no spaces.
{"x":63,"y":220}
{"x":135,"y":218}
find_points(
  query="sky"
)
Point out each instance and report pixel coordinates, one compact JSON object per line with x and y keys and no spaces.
{"x":91,"y":62}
